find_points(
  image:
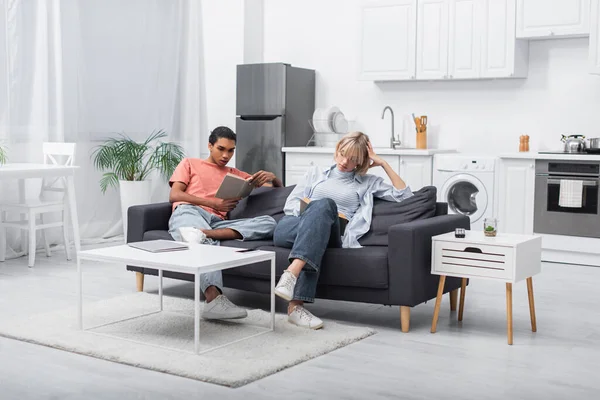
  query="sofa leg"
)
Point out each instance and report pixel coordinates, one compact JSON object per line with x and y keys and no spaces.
{"x":404,"y":318}
{"x":139,"y":281}
{"x":453,"y":297}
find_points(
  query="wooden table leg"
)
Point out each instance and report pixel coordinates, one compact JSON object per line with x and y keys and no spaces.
{"x":438,"y":302}
{"x":461,"y":306}
{"x":531,"y":304}
{"x":509,"y":321}
{"x":453,"y":297}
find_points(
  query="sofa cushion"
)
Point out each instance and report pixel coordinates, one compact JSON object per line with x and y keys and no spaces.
{"x":263,"y":201}
{"x":155,"y":235}
{"x":386,"y":213}
{"x":364,"y":268}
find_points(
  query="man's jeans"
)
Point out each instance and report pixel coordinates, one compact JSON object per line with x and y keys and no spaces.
{"x":187,"y":215}
{"x":309,"y":235}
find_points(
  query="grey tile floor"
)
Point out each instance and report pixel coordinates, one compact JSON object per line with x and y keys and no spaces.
{"x":468,"y":360}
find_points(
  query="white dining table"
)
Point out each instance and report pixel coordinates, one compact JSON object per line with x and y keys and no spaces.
{"x":22,"y":171}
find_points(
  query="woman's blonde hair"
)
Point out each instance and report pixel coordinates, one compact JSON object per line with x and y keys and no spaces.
{"x":355,"y":147}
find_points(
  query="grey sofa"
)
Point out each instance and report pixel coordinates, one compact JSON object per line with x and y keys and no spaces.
{"x":393,"y":267}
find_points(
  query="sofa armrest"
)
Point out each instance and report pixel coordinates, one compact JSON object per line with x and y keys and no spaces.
{"x":409,"y":258}
{"x":147,"y":217}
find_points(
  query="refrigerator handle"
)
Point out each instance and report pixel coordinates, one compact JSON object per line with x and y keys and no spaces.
{"x":259,"y":117}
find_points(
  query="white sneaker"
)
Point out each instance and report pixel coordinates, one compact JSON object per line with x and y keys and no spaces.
{"x":285,"y":286}
{"x":222,"y":308}
{"x":192,"y":235}
{"x":303,"y":318}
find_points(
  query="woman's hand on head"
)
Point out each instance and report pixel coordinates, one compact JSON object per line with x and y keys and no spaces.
{"x":376,"y":161}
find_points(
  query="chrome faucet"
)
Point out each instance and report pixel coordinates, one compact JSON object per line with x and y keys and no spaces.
{"x":393,"y":141}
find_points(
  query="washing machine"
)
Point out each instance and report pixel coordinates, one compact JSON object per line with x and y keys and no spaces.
{"x":466,"y":183}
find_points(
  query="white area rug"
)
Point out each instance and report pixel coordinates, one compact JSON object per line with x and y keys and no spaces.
{"x":234,"y":365}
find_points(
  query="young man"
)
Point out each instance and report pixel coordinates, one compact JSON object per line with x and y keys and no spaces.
{"x":199,"y":216}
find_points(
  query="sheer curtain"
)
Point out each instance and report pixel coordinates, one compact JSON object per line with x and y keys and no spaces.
{"x":81,"y":71}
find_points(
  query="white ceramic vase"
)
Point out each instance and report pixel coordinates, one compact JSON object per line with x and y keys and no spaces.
{"x":133,"y":193}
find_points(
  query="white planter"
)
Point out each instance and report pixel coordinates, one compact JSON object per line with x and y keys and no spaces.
{"x":133,"y":193}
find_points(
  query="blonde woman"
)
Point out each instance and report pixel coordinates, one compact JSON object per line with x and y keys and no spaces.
{"x":344,"y":188}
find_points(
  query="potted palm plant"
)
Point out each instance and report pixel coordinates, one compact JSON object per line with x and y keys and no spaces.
{"x":130,"y":163}
{"x":3,"y":157}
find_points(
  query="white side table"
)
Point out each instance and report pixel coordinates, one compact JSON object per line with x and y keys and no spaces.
{"x":507,"y":257}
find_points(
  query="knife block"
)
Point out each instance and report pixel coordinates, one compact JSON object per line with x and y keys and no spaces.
{"x":422,"y":139}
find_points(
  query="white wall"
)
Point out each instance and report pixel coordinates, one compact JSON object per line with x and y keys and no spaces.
{"x":559,"y":96}
{"x":223,"y":28}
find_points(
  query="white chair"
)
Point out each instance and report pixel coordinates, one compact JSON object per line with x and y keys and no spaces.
{"x":52,"y":151}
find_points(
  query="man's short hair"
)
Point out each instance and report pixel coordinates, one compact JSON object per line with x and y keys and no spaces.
{"x":221,"y":132}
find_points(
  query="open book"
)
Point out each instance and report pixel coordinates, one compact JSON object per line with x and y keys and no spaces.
{"x":234,"y":187}
{"x":343,"y":220}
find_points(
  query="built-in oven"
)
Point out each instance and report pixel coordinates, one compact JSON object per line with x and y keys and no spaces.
{"x":577,"y":181}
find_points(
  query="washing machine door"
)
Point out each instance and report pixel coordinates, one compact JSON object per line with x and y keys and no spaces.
{"x":466,"y":195}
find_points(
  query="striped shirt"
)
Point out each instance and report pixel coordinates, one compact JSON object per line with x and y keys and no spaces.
{"x":342,"y":188}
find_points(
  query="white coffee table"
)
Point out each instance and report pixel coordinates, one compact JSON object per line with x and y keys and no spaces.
{"x":198,"y":259}
{"x":509,"y":258}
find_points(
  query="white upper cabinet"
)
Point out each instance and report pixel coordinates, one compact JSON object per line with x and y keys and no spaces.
{"x":548,"y":18}
{"x":595,"y":38}
{"x":432,"y":39}
{"x":388,"y":40}
{"x":502,"y":56}
{"x":464,"y":39}
{"x":441,"y":39}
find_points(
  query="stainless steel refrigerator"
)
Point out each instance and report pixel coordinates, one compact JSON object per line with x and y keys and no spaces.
{"x":274,"y":103}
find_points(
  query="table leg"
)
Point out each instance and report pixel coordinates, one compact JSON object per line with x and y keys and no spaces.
{"x":461,"y":306}
{"x":73,"y":214}
{"x":438,"y":302}
{"x":160,"y":288}
{"x":273,"y":292}
{"x":197,"y":312}
{"x":509,"y":316}
{"x":531,"y":304}
{"x":79,"y":295}
{"x":24,"y":241}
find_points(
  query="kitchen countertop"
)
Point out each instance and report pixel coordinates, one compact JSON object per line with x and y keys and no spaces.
{"x":379,"y":150}
{"x":556,"y":156}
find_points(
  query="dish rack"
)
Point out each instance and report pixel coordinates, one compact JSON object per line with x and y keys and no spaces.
{"x":324,"y":134}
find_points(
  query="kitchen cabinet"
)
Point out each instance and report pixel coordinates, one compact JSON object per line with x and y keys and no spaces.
{"x":595,"y":37}
{"x":415,"y":170}
{"x":516,"y":182}
{"x":561,"y":18}
{"x":394,"y":162}
{"x":502,"y":55}
{"x":388,"y":40}
{"x":464,"y":39}
{"x":432,"y":39}
{"x":449,"y":39}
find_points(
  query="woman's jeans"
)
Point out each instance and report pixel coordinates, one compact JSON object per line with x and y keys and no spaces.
{"x":309,"y":235}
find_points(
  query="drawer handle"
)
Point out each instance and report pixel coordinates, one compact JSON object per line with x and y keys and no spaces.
{"x":473,"y":250}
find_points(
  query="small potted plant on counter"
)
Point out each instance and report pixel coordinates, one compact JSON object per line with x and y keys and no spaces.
{"x":490,"y":226}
